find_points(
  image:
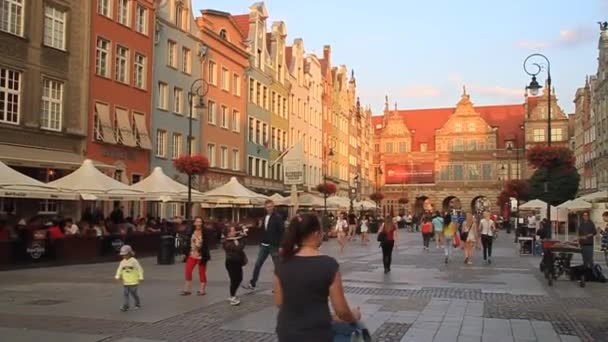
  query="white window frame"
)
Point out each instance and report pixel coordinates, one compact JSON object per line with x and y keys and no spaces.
{"x":163,"y":96}
{"x":14,"y":20}
{"x":211,"y":113}
{"x":557,"y":134}
{"x":47,"y":207}
{"x":103,"y":55}
{"x":224,"y":157}
{"x":212,"y":70}
{"x":211,"y":152}
{"x":54,"y":27}
{"x":236,"y":120}
{"x":236,"y":156}
{"x":141,"y":19}
{"x":225,"y":79}
{"x":104,"y":7}
{"x":186,"y":60}
{"x":537,"y":136}
{"x":161,"y":143}
{"x":10,"y":95}
{"x":224,"y":117}
{"x":236,"y":84}
{"x":122,"y":65}
{"x":52,"y":105}
{"x":178,"y":100}
{"x":172,"y":54}
{"x":139,"y":71}
{"x":177,"y":143}
{"x":124,"y":18}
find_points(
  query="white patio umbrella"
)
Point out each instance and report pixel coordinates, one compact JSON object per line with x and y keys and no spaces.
{"x":92,"y":184}
{"x":280,"y":200}
{"x":575,"y":205}
{"x":14,"y":184}
{"x":233,"y":193}
{"x":338,"y":202}
{"x":366,"y":204}
{"x":595,"y":197}
{"x":310,"y":200}
{"x":160,"y":187}
{"x":534,"y":205}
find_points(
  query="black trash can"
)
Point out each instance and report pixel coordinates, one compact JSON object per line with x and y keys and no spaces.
{"x":166,"y":250}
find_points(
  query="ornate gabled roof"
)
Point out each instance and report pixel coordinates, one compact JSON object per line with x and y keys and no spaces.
{"x":394,"y":124}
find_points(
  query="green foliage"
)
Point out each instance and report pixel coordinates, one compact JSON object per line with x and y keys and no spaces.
{"x":562,"y":186}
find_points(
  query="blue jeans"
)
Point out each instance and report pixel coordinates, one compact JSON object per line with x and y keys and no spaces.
{"x":263,"y":254}
{"x":130,"y":290}
{"x":344,"y":331}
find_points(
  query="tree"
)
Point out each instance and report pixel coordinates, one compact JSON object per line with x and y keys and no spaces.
{"x":562,"y":185}
{"x":516,"y":188}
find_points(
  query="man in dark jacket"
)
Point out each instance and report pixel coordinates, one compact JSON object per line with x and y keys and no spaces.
{"x":586,"y":233}
{"x":272,"y":226}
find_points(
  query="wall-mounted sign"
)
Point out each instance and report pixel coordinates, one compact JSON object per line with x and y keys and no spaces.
{"x":36,"y":250}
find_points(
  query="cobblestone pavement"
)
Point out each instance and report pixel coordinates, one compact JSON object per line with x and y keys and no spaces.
{"x":422,"y":299}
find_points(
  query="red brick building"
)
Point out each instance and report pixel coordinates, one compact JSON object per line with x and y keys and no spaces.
{"x":122,"y":45}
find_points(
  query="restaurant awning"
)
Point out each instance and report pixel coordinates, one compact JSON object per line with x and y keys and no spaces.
{"x":18,"y":155}
{"x":160,"y":187}
{"x":141,"y":131}
{"x":124,"y":128}
{"x":105,"y":123}
{"x":14,"y":184}
{"x":233,"y":193}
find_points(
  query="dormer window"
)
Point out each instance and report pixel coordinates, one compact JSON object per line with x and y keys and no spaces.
{"x":223,"y":34}
{"x":509,"y":145}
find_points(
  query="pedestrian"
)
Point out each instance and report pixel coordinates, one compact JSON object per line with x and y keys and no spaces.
{"x":487,"y":229}
{"x":117,"y":215}
{"x":604,"y":234}
{"x":438,"y":225}
{"x":448,"y":238}
{"x":470,"y":236}
{"x":305,"y":282}
{"x":388,"y":243}
{"x":586,"y":233}
{"x":427,"y":231}
{"x":352,"y":225}
{"x":198,"y":254}
{"x":130,"y":272}
{"x":408,"y":222}
{"x":364,"y":229}
{"x":235,"y":260}
{"x":341,"y":227}
{"x":272,"y":228}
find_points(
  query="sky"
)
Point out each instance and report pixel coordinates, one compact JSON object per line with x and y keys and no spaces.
{"x":422,"y":53}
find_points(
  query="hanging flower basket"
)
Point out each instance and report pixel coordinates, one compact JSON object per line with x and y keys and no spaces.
{"x":191,"y":165}
{"x":403,"y":200}
{"x":547,"y":157}
{"x":376,"y":196}
{"x":517,"y":188}
{"x":327,"y":188}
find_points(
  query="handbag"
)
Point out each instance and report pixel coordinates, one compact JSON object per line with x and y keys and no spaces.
{"x":456,"y":240}
{"x":381,"y":237}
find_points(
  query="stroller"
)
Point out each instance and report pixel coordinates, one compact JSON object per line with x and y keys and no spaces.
{"x":556,"y":260}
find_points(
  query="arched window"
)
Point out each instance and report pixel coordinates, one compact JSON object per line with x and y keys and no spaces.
{"x":223,"y":34}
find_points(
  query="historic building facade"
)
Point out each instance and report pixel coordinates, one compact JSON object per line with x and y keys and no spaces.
{"x":584,"y":136}
{"x":224,"y":126}
{"x":120,"y":90}
{"x":340,"y":124}
{"x":314,"y":83}
{"x":44,"y":91}
{"x":447,"y":157}
{"x":177,"y":63}
{"x":329,"y":139}
{"x":599,"y":110}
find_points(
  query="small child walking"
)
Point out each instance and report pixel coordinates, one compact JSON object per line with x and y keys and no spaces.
{"x":235,"y":260}
{"x":131,"y":273}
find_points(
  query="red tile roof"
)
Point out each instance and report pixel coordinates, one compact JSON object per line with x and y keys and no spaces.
{"x":243,"y":22}
{"x":506,"y":118}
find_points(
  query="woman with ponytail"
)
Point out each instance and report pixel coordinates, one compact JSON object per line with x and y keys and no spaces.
{"x":303,"y":281}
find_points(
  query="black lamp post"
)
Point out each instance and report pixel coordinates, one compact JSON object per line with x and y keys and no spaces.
{"x":329,"y":154}
{"x":534,"y":88}
{"x":353,"y":193}
{"x":198,"y":89}
{"x":378,"y":173}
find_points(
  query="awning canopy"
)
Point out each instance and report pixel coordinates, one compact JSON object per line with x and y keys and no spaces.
{"x":90,"y":183}
{"x":338,"y":202}
{"x":366,"y":205}
{"x":141,"y":132}
{"x":280,"y":200}
{"x":160,"y":187}
{"x":14,"y":184}
{"x":595,"y":196}
{"x":534,"y":205}
{"x":106,"y":129}
{"x":310,"y":200}
{"x":233,"y":193}
{"x":125,"y":130}
{"x":575,"y":205}
{"x":45,"y":158}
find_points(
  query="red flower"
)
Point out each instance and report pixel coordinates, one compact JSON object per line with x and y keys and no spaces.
{"x":376,"y":196}
{"x":516,"y":188}
{"x":327,"y":188}
{"x":545,"y":157}
{"x":191,"y":165}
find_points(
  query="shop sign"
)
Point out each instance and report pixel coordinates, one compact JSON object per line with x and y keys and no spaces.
{"x":35,"y":250}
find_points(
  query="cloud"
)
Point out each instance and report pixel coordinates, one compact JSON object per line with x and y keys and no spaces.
{"x":420,"y":91}
{"x":567,"y":38}
{"x":496,"y":91}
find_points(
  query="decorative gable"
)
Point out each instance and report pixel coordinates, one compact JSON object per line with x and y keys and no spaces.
{"x":395,"y":126}
{"x":465,"y":119}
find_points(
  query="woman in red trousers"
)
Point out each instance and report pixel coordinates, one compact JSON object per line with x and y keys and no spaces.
{"x":199,"y":255}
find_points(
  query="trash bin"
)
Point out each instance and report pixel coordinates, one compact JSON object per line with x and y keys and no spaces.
{"x":166,"y":250}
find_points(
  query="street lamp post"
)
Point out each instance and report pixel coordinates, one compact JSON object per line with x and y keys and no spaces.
{"x":328,"y":155}
{"x":353,"y":193}
{"x":378,"y":173}
{"x":533,"y":88}
{"x":198,"y":89}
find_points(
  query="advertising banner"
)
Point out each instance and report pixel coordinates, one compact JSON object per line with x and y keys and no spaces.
{"x":416,"y":173}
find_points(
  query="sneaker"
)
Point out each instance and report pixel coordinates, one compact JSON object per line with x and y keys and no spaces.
{"x":248,"y":286}
{"x":124,"y":308}
{"x":137,"y":307}
{"x":235,"y":301}
{"x":446,"y":260}
{"x":489,"y":261}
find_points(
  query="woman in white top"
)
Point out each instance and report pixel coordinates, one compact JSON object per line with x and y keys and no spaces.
{"x":341,"y":227}
{"x":364,"y":229}
{"x":488,"y":230}
{"x":470,"y":237}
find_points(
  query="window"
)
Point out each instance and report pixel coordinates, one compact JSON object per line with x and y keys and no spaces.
{"x":556,"y":134}
{"x":172,"y":54}
{"x":265,"y":98}
{"x":223,"y":34}
{"x":472,"y":145}
{"x":487,"y":171}
{"x":48,"y":207}
{"x":211,"y":154}
{"x":458,"y":127}
{"x":402,"y":146}
{"x":54,"y":27}
{"x":258,"y":126}
{"x":257,"y":94}
{"x":141,"y":19}
{"x":514,"y":171}
{"x":424,"y":147}
{"x":10,"y":92}
{"x":163,"y":96}
{"x":251,"y":89}
{"x":473,"y":172}
{"x":52,"y":105}
{"x":225,"y":79}
{"x":235,"y":159}
{"x":224,"y":122}
{"x":176,"y":150}
{"x":122,"y":66}
{"x":471,"y":127}
{"x":265,"y":135}
{"x":263,"y":174}
{"x":444,"y":173}
{"x":11,"y":16}
{"x":177,"y":100}
{"x":236,"y":85}
{"x":186,"y":61}
{"x":539,"y":135}
{"x":503,"y":171}
{"x":251,"y":129}
{"x":178,"y":14}
{"x":139,"y":72}
{"x":102,"y":58}
{"x":211,"y":113}
{"x":161,"y":143}
{"x":212,"y":73}
{"x":458,"y":172}
{"x":224,"y":157}
{"x":104,"y":7}
{"x":250,"y":166}
{"x":389,"y":147}
{"x":123,"y":12}
{"x":236,"y":121}
{"x":458,"y":145}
